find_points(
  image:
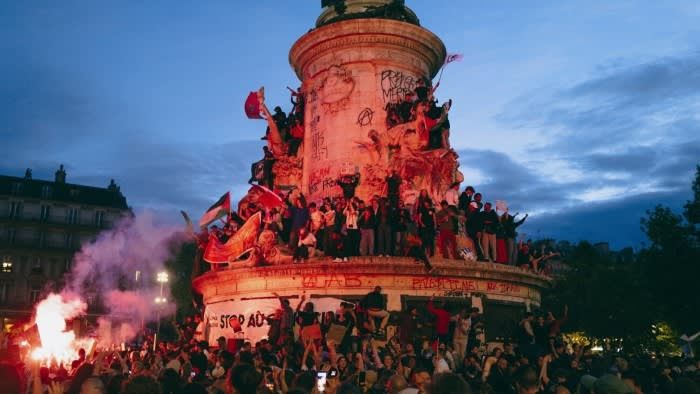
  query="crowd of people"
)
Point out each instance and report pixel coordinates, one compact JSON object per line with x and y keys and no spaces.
{"x":433,"y":347}
{"x":460,"y":226}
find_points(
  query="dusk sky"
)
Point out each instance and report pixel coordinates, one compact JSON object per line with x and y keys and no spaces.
{"x":583,"y":114}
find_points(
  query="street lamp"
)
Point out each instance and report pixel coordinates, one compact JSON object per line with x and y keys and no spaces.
{"x":162,"y":278}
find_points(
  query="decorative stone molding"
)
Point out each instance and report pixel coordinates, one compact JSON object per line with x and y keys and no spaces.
{"x":381,"y":35}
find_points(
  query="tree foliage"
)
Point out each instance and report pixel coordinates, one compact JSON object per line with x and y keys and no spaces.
{"x":632,"y":300}
{"x":672,"y":261}
{"x":605,"y":299}
{"x":180,"y":267}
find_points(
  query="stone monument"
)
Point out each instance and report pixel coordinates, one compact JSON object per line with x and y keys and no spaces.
{"x":366,"y":72}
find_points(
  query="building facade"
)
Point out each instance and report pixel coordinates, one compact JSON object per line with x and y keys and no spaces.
{"x":42,"y":225}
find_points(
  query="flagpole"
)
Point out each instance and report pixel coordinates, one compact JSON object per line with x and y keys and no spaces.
{"x":441,"y":70}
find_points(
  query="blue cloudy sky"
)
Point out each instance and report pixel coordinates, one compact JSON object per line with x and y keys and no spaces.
{"x":582,"y":113}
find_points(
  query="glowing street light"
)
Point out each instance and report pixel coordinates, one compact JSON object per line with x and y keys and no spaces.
{"x":162,"y":277}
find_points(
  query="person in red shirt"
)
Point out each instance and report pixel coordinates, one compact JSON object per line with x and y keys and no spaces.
{"x":442,"y":321}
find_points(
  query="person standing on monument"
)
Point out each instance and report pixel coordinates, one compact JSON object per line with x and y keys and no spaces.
{"x":447,"y":240}
{"x":426,"y":226}
{"x":367,"y":223}
{"x":299,"y":219}
{"x":393,"y":183}
{"x":348,"y":183}
{"x":452,"y":195}
{"x":318,"y":226}
{"x":352,"y":231}
{"x":465,"y":198}
{"x":384,"y":233}
{"x":489,"y":223}
{"x":509,"y":226}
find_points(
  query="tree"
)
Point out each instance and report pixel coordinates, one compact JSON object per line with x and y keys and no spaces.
{"x":606,"y":300}
{"x":671,"y":263}
{"x":181,"y":282}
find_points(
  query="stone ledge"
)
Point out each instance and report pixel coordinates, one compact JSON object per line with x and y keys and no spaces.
{"x":373,"y":265}
{"x":421,"y":42}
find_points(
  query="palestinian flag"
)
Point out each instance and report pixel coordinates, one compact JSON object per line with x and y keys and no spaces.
{"x":220,"y":208}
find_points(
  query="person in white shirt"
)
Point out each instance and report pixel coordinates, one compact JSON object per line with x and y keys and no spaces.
{"x":329,"y":222}
{"x":307,"y":240}
{"x":452,"y":195}
{"x":317,"y":224}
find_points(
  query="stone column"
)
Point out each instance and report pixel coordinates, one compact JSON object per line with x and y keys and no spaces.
{"x":350,"y":70}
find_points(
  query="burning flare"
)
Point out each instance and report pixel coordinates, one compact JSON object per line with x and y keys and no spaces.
{"x":57,"y":343}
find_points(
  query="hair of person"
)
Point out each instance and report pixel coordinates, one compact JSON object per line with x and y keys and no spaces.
{"x":169,"y":381}
{"x":685,"y":385}
{"x":10,"y":379}
{"x":227,"y":359}
{"x":447,"y":383}
{"x":141,"y":384}
{"x":193,"y":388}
{"x":305,"y":380}
{"x":348,"y":388}
{"x":245,"y":357}
{"x":526,"y":378}
{"x":81,"y":374}
{"x":93,"y":385}
{"x":244,"y":379}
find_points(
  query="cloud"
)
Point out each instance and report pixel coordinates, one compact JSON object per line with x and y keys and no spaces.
{"x":610,"y":146}
{"x":616,"y":221}
{"x":50,"y":117}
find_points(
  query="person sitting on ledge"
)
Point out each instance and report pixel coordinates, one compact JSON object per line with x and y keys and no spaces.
{"x":375,"y":305}
{"x":307,"y":241}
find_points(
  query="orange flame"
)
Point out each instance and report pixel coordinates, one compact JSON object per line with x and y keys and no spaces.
{"x":57,"y":343}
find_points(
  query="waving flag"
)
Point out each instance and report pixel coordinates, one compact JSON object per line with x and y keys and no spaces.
{"x":242,"y":241}
{"x":453,"y":57}
{"x":252,"y":106}
{"x":220,"y":208}
{"x":265,"y":197}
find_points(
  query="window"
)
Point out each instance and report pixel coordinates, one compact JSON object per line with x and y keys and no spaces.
{"x":73,"y":216}
{"x":11,"y":235}
{"x":69,"y":240}
{"x":7,"y":264}
{"x":16,"y":209}
{"x":46,"y":192}
{"x":42,"y":239}
{"x":4,"y":293}
{"x":67,"y":264}
{"x":99,"y":218}
{"x":74,"y":192}
{"x":36,"y":266}
{"x":34,"y":293}
{"x":16,"y":188}
{"x":45,"y":211}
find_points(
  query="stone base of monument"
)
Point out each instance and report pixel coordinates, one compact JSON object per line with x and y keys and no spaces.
{"x":501,"y":292}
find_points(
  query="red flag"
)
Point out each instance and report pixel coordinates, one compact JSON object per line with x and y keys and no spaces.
{"x":242,"y":241}
{"x":265,"y":197}
{"x":252,"y":106}
{"x":220,"y":208}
